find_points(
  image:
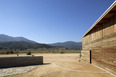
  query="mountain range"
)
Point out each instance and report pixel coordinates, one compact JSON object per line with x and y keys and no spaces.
{"x":24,"y":43}
{"x":6,"y":38}
{"x":20,"y":43}
{"x":69,"y":45}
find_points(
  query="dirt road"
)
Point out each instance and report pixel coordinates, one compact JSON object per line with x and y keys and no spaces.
{"x":64,"y":65}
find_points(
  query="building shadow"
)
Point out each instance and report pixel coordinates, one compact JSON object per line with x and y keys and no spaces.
{"x":46,"y":63}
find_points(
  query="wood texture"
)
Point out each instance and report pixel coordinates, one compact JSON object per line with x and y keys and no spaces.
{"x":101,"y":40}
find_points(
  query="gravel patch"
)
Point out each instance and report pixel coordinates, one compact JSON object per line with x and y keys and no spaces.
{"x":16,"y":70}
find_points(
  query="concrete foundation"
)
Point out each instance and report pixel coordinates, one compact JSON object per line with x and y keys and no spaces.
{"x":6,"y":62}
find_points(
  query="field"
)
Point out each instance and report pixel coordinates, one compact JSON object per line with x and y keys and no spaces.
{"x":39,"y":51}
{"x":54,"y":51}
{"x":63,"y":65}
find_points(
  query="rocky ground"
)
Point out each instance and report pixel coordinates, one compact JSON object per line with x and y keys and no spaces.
{"x":15,"y":70}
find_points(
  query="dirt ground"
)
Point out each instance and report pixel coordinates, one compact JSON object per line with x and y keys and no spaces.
{"x":63,"y":65}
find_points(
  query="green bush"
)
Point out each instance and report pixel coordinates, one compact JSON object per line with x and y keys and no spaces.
{"x":28,"y":53}
{"x":62,"y":52}
{"x":10,"y":52}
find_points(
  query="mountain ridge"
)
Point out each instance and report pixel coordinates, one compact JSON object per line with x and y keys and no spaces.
{"x":68,"y":44}
{"x":6,"y":38}
{"x":20,"y":43}
{"x":24,"y":43}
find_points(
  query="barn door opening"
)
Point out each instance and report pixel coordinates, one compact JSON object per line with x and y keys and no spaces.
{"x":90,"y":57}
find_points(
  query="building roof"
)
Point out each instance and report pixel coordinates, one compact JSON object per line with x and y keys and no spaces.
{"x":104,"y":17}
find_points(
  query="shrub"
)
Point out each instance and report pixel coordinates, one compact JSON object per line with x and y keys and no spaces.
{"x":28,"y":53}
{"x":61,"y":52}
{"x":10,"y":52}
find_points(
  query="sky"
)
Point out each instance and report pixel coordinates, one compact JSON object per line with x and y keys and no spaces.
{"x":50,"y":21}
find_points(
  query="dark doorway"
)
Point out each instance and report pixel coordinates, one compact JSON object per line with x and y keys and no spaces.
{"x":90,"y":57}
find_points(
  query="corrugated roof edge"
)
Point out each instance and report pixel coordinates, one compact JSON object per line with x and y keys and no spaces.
{"x":101,"y":17}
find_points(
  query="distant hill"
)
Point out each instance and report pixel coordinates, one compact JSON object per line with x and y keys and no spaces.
{"x":6,"y":38}
{"x":69,"y":44}
{"x":24,"y":43}
{"x":20,"y":43}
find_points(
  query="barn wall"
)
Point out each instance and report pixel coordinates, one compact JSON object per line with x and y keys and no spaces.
{"x":102,"y":41}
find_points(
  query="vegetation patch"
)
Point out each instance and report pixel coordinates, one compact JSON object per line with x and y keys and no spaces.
{"x":29,"y":53}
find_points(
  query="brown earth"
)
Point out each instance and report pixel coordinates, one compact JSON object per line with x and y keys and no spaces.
{"x":63,"y":65}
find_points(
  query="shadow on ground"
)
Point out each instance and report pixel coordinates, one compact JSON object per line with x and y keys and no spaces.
{"x":46,"y":63}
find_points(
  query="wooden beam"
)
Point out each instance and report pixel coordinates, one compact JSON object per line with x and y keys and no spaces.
{"x":112,"y":12}
{"x":106,"y":19}
{"x":100,"y":24}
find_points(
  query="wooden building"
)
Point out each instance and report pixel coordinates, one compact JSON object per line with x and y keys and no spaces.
{"x":101,"y":40}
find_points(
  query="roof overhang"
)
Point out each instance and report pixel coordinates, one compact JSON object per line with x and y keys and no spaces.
{"x":104,"y":17}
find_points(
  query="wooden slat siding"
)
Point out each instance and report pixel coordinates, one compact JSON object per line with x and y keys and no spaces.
{"x":100,"y":34}
{"x":112,"y":23}
{"x":112,"y":27}
{"x":92,"y":37}
{"x":107,"y":58}
{"x":102,"y":41}
{"x":86,"y":40}
{"x":109,"y":28}
{"x":104,"y":33}
{"x":83,"y":43}
{"x":97,"y":35}
{"x":115,"y":28}
{"x":115,"y":23}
